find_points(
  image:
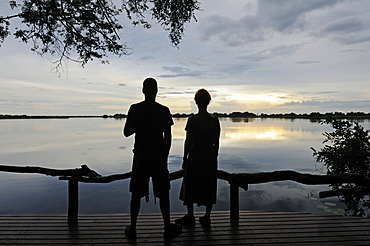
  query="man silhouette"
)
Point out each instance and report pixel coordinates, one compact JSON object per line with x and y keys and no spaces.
{"x":151,"y":123}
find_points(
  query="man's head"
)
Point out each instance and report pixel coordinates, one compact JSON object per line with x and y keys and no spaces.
{"x":150,"y":88}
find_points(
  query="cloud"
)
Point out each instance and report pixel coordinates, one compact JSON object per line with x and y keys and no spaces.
{"x":233,"y":32}
{"x":287,"y":15}
{"x":146,"y":58}
{"x":315,"y":93}
{"x":346,"y":26}
{"x":178,"y":92}
{"x":352,"y":50}
{"x":234,"y":69}
{"x":328,"y":106}
{"x":283,"y":16}
{"x":352,"y":39}
{"x":349,"y":30}
{"x":306,"y":62}
{"x":180,"y":72}
{"x":279,"y":51}
{"x":254,"y":60}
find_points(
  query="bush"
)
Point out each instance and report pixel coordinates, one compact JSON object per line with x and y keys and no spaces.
{"x":347,"y":151}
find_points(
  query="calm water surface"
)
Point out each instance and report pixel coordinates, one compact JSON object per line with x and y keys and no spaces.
{"x":247,"y":145}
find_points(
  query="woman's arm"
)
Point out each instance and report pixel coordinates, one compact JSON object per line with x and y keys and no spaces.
{"x":217,"y":136}
{"x":187,"y":144}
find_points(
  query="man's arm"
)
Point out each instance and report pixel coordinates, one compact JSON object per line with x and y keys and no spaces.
{"x":128,"y":130}
{"x":167,"y":136}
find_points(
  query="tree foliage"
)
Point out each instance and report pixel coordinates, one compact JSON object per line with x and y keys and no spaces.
{"x":83,"y":30}
{"x":347,"y":151}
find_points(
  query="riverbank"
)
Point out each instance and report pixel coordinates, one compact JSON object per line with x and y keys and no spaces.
{"x":313,"y":115}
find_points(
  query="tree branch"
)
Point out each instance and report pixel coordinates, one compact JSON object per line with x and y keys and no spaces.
{"x":346,"y":191}
{"x":9,"y":17}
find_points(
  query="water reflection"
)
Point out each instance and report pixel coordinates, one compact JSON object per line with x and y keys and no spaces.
{"x":246,"y":146}
{"x":260,"y":129}
{"x":241,"y":133}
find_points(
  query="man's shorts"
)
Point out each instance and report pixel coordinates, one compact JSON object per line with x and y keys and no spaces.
{"x":150,"y":165}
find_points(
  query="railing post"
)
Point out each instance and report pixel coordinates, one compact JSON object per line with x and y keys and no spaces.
{"x":72,"y":201}
{"x":234,"y":201}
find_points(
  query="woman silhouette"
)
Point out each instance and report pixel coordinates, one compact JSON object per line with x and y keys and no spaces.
{"x":201,"y":146}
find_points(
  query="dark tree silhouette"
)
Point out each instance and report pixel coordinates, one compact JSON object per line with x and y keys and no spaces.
{"x":84,"y":30}
{"x":347,"y":151}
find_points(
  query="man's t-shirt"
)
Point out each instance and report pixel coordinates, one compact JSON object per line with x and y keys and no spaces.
{"x":149,"y":120}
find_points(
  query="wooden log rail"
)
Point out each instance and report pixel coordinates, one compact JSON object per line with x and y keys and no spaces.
{"x":83,"y":171}
{"x":236,"y":181}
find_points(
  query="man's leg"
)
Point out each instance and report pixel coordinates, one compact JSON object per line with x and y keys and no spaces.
{"x":130,"y":230}
{"x":134,"y":210}
{"x":161,"y":188}
{"x":170,"y":230}
{"x":164,"y":204}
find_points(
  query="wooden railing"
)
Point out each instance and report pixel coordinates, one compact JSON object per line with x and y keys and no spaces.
{"x":236,"y":181}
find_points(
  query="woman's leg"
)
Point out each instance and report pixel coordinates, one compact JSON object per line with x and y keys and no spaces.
{"x":208,"y":211}
{"x":190,"y":208}
{"x":188,"y":219}
{"x":205,"y":221}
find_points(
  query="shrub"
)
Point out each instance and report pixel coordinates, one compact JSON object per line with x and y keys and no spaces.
{"x":347,"y":151}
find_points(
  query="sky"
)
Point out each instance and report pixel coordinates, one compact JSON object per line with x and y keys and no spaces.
{"x":265,"y":56}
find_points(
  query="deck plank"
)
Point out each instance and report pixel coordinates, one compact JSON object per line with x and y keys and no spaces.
{"x":253,"y":228}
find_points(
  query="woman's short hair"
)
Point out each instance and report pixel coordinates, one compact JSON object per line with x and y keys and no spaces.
{"x":202,"y":97}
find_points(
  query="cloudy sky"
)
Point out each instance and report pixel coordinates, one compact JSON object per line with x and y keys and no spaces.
{"x":265,"y":56}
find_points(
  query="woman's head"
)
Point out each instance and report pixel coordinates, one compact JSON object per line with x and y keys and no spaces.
{"x":202,"y":97}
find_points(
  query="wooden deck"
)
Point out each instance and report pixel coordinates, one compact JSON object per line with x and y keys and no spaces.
{"x":254,"y":228}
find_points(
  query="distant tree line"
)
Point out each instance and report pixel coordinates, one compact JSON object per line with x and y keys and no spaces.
{"x":24,"y":116}
{"x":313,"y":115}
{"x":318,"y":115}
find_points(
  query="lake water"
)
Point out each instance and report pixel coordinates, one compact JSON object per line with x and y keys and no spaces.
{"x":247,"y":145}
